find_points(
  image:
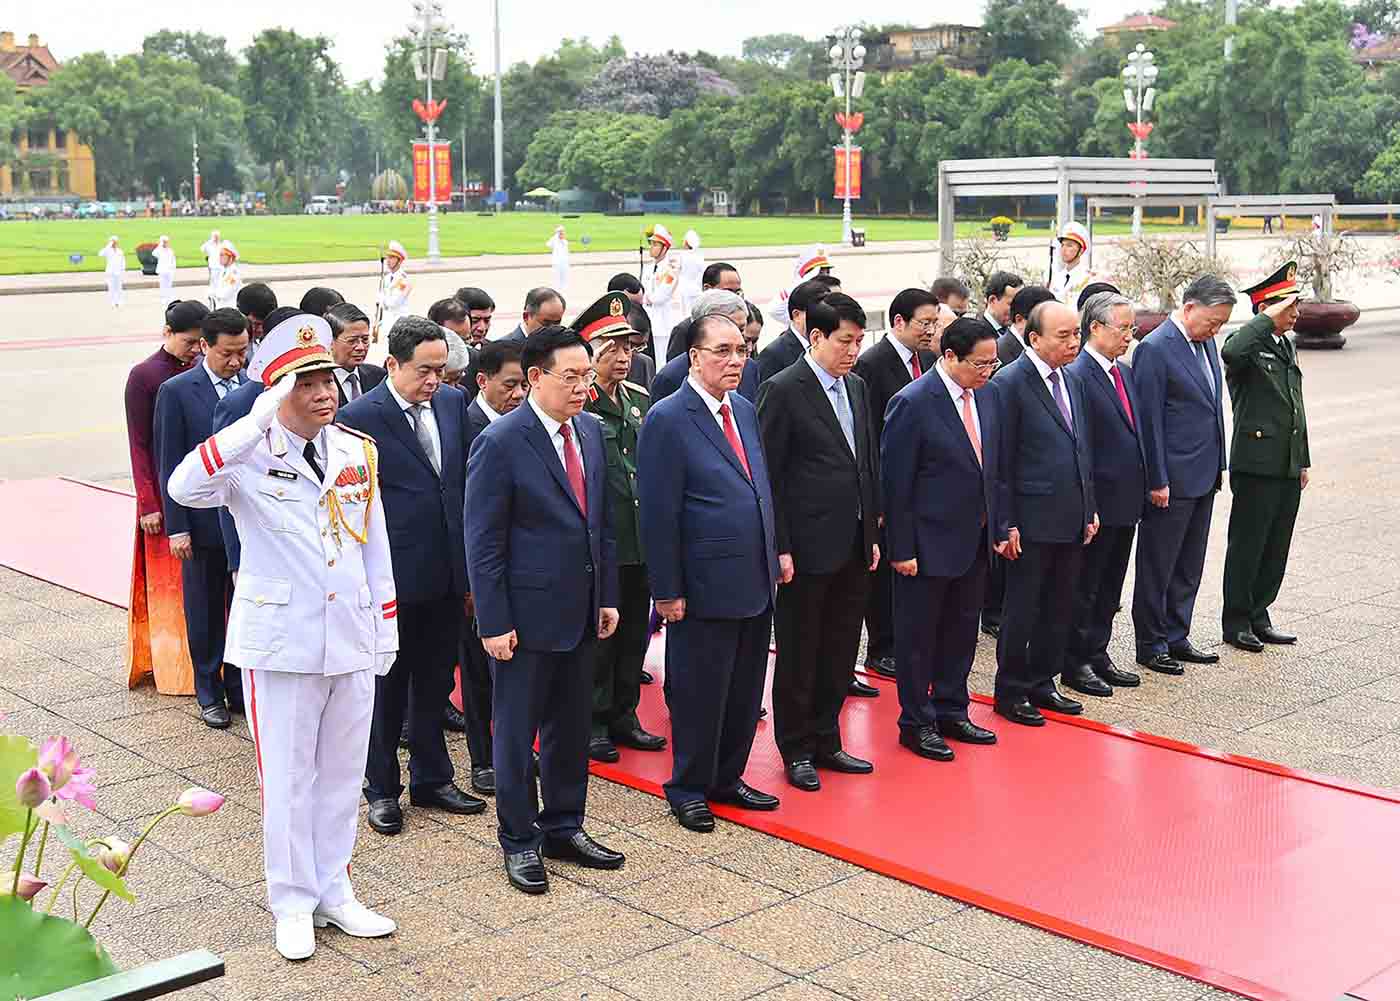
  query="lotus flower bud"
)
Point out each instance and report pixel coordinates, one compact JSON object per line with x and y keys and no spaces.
{"x":114,"y":854}
{"x":28,"y":888}
{"x":32,"y":788}
{"x":197,"y":802}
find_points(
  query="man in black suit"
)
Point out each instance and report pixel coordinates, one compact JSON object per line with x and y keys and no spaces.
{"x":897,"y":359}
{"x":1011,"y":344}
{"x":814,"y":420}
{"x":350,"y":332}
{"x":1047,"y":513}
{"x":256,"y":302}
{"x":480,"y":309}
{"x":792,"y":342}
{"x":999,"y":293}
{"x":1120,"y":486}
{"x":544,"y":307}
{"x":711,"y":302}
{"x":318,"y":299}
{"x":718,"y":275}
{"x":184,"y":418}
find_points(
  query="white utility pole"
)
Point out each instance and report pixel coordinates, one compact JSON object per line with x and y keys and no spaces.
{"x":1140,"y":74}
{"x":847,"y":55}
{"x":500,"y":128}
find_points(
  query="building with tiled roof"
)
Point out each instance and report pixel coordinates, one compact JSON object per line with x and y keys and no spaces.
{"x":59,"y":168}
{"x":1138,"y":23}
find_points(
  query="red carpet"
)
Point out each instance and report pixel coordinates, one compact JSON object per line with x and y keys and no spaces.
{"x":1245,"y":875}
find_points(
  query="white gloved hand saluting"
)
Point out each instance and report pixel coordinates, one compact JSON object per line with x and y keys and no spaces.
{"x":265,"y":406}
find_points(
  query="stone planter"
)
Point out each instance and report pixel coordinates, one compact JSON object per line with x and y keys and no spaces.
{"x":1320,"y":324}
{"x":1148,"y":321}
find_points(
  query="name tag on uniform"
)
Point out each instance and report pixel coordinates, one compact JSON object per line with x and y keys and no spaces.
{"x":282,"y":474}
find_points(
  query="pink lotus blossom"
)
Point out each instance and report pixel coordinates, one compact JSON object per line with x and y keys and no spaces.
{"x":114,"y":853}
{"x":28,"y":888}
{"x":32,"y":788}
{"x":58,"y":759}
{"x":197,"y":802}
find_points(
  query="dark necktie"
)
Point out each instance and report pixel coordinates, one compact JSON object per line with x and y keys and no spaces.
{"x":1060,"y":400}
{"x":309,"y":454}
{"x":352,"y":386}
{"x":573,"y":468}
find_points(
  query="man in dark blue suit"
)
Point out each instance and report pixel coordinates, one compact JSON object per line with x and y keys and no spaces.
{"x":238,"y":404}
{"x":542,"y":561}
{"x":939,"y":453}
{"x":792,"y":344}
{"x":1045,"y":511}
{"x":184,"y":419}
{"x":1120,"y":487}
{"x":711,"y":302}
{"x":420,"y":426}
{"x":1182,"y":423}
{"x":708,"y":531}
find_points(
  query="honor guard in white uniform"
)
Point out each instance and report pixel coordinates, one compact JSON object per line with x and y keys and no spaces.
{"x":115,"y":268}
{"x":692,"y":271}
{"x":226,"y":291}
{"x":810,"y":263}
{"x":394,"y":288}
{"x":1071,"y":265}
{"x":165,"y":270}
{"x":661,"y":278}
{"x":210,"y":249}
{"x":313,"y":620}
{"x":558,"y":245}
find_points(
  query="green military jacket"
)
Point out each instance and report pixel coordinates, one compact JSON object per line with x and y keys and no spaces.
{"x":1266,"y":396}
{"x":622,"y":421}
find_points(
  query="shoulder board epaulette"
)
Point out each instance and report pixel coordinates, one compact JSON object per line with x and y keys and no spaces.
{"x":354,"y":431}
{"x":592,"y":394}
{"x":636,"y":388}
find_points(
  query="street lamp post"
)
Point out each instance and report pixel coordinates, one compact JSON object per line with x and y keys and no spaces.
{"x":499,"y":129}
{"x":1139,"y":75}
{"x":430,"y":13}
{"x":847,"y":56}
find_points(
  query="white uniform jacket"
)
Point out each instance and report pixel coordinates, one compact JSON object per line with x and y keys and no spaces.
{"x":1068,"y":283}
{"x":660,"y":283}
{"x":393,"y":298}
{"x":311,"y":598}
{"x":226,"y":288}
{"x":165,"y":260}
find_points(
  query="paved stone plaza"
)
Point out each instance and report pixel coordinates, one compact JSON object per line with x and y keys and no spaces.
{"x":736,"y":914}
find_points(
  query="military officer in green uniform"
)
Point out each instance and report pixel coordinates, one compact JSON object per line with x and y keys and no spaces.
{"x":1268,"y":459}
{"x":620,"y":407}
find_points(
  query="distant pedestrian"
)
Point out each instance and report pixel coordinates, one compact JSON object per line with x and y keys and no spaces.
{"x":116,"y":265}
{"x":558,"y":245}
{"x":165,"y":270}
{"x":692,"y":270}
{"x":210,"y":249}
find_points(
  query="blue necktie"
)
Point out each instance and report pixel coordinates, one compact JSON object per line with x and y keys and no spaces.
{"x":843,"y":414}
{"x":1205,"y":365}
{"x":225,"y":387}
{"x":1060,"y":400}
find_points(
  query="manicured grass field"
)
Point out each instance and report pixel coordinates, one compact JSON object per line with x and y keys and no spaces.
{"x":44,"y":247}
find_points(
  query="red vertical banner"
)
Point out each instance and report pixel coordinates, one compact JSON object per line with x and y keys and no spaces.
{"x":841,"y":171}
{"x":420,"y":171}
{"x":198,"y":188}
{"x":442,"y":172}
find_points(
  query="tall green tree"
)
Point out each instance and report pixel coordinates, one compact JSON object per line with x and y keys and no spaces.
{"x":1036,"y":31}
{"x":216,"y":65}
{"x":293,"y":102}
{"x":610,"y":156}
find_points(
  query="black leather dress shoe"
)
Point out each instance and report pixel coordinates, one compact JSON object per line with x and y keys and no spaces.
{"x":966,"y":731}
{"x":926,"y":743}
{"x":1271,"y":635}
{"x":1162,"y":663}
{"x":1055,"y":702}
{"x":603,"y":749}
{"x":746,"y":797}
{"x":802,"y":774}
{"x":1083,"y":680}
{"x":215,"y":717}
{"x":762,"y":712}
{"x":695,"y":816}
{"x":582,"y":850}
{"x":526,"y":872}
{"x":992,"y":629}
{"x":1020,"y":711}
{"x":385,"y":816}
{"x":883,"y":666}
{"x":647,"y":679}
{"x":447,"y":797}
{"x":1111,"y":673}
{"x":484,"y":781}
{"x":235,"y":706}
{"x":1245,"y":640}
{"x":638,"y":739}
{"x":840,"y":761}
{"x":453,"y":720}
{"x":1188,"y":654}
{"x":861,"y":690}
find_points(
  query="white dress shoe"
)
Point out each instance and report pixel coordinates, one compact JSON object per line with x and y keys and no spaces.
{"x":354,"y":918}
{"x":296,"y":938}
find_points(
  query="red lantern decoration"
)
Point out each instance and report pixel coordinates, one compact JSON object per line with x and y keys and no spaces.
{"x":1140,"y":130}
{"x":851,"y":122}
{"x":431,"y":111}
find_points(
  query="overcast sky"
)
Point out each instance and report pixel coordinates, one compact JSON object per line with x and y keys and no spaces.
{"x":530,"y":28}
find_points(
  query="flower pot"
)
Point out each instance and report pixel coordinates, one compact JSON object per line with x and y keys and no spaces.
{"x":1320,"y":324}
{"x":1147,"y":322}
{"x":1000,"y":232}
{"x":145,"y":253}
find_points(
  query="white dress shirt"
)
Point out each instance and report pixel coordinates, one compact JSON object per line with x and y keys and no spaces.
{"x":551,"y":427}
{"x":827,"y":380}
{"x":1104,"y":363}
{"x":1045,"y":371}
{"x":491,"y":416}
{"x":906,"y":355}
{"x":296,"y":443}
{"x":713,"y":403}
{"x":218,"y":390}
{"x":956,"y":392}
{"x":428,"y":418}
{"x":997,"y":325}
{"x":342,"y":375}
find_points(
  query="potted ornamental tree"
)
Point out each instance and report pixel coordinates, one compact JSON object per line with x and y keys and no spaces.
{"x":1152,"y":271}
{"x":1322,"y":258}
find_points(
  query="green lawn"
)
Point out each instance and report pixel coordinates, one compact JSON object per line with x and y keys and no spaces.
{"x":43,"y":247}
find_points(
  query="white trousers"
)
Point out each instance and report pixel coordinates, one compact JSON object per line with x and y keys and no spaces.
{"x":115,"y":294}
{"x":561,"y":276}
{"x":167,"y":288}
{"x":311,"y":733}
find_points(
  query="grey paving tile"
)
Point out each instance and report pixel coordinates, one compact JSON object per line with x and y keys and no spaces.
{"x":677,"y":972}
{"x":987,"y":939}
{"x":799,"y":937}
{"x":699,"y":896}
{"x":786,"y":866}
{"x":901,"y":970}
{"x":884,"y":902}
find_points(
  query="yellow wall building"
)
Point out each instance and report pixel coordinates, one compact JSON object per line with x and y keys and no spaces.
{"x":59,"y":166}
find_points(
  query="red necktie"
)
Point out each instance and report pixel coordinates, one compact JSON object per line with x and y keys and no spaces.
{"x":734,"y":440}
{"x":1123,"y":395}
{"x":573,"y":467}
{"x":914,"y":365}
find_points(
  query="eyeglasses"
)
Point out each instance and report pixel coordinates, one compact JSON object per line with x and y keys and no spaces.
{"x":985,"y":366}
{"x":358,"y":340}
{"x":726,"y":353}
{"x":923,"y":324}
{"x":574,"y":380}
